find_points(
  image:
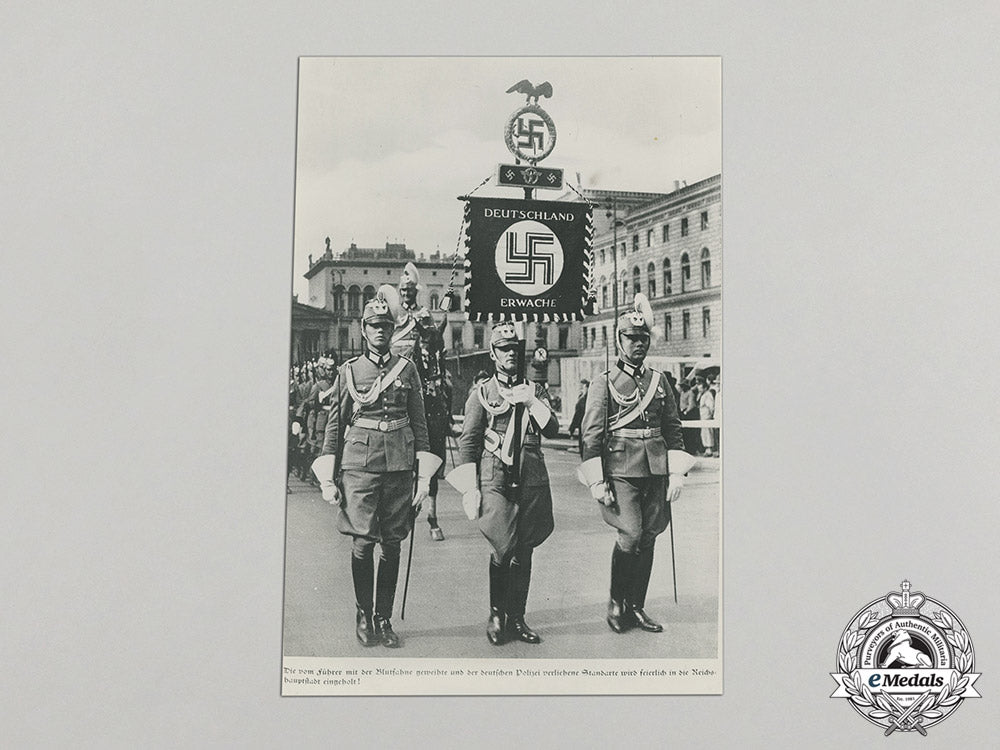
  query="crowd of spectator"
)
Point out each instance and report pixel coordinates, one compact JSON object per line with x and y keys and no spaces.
{"x":307,"y":383}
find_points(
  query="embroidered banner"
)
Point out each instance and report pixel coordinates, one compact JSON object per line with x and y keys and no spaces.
{"x":526,"y":259}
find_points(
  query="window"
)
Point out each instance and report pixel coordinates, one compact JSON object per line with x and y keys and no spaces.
{"x":706,"y":321}
{"x":684,"y":227}
{"x":604,"y":293}
{"x":456,"y":338}
{"x":368,"y":294}
{"x":667,"y":277}
{"x":435,"y":301}
{"x":563,"y":337}
{"x":354,"y":300}
{"x":668,"y":327}
{"x":649,"y":238}
{"x":478,"y":337}
{"x":685,"y":324}
{"x":706,"y":268}
{"x":338,"y":298}
{"x":604,"y":335}
{"x":542,"y":334}
{"x":624,"y":286}
{"x":666,"y":232}
{"x":636,"y":286}
{"x":635,"y":242}
{"x":704,"y":220}
{"x":603,"y":257}
{"x":593,"y":337}
{"x":584,"y":342}
{"x":651,"y":279}
{"x":685,"y":273}
{"x":623,"y":251}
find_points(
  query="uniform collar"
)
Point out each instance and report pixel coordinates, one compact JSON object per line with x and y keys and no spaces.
{"x":378,"y":360}
{"x":635,"y":371}
{"x":505,"y":379}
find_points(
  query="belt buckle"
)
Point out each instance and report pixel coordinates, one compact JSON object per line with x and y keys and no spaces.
{"x":383,"y":426}
{"x":646,"y":432}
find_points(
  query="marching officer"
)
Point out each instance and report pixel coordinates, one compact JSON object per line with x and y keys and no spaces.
{"x":418,"y":338}
{"x":515,"y":513}
{"x":631,"y":444}
{"x":375,"y":433}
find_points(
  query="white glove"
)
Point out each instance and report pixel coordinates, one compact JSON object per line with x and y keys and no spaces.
{"x":522,"y":394}
{"x":601,"y":492}
{"x":471,"y":502}
{"x":676,"y":484}
{"x":423,"y":491}
{"x":331,"y":493}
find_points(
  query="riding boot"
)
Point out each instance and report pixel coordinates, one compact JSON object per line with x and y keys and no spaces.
{"x":619,"y":616}
{"x":637,"y":592}
{"x":517,"y":600}
{"x":498,"y":601}
{"x":435,"y":531}
{"x":385,"y":595}
{"x":363,"y":572}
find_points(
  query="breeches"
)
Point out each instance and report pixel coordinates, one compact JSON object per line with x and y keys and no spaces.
{"x":376,"y":505}
{"x":642,"y":512}
{"x":507,"y":524}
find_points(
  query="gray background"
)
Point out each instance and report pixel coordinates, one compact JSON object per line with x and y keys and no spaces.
{"x":146,"y":198}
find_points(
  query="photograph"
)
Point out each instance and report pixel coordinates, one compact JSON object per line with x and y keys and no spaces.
{"x":505,"y":377}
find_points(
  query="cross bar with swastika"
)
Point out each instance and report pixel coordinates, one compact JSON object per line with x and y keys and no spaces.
{"x":529,"y":258}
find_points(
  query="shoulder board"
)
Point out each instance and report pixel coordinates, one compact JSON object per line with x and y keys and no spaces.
{"x":353,"y":359}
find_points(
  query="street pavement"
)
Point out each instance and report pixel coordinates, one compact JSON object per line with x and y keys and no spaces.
{"x":448,"y":600}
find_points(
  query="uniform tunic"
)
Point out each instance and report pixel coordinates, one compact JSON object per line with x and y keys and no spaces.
{"x":377,"y":466}
{"x":507,"y":521}
{"x":636,"y":467}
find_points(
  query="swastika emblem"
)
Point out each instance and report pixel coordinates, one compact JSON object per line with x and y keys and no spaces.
{"x":529,"y":258}
{"x":531,"y":134}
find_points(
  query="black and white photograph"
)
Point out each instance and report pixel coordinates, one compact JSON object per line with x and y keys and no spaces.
{"x":505,"y":378}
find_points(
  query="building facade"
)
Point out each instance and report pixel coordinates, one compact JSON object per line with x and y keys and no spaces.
{"x":669,"y":248}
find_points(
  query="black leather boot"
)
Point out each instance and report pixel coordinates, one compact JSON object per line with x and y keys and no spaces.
{"x":637,"y":593}
{"x":384,"y":632}
{"x":363,"y":572}
{"x":385,"y":596}
{"x":619,"y":616}
{"x":498,"y":599}
{"x":517,"y":600}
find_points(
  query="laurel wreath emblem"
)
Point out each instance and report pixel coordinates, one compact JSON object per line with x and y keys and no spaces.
{"x":863,"y":698}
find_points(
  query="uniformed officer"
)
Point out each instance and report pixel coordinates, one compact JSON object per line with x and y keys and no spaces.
{"x":514,"y":519}
{"x":374,"y":435}
{"x":631,"y":443}
{"x":418,"y":338}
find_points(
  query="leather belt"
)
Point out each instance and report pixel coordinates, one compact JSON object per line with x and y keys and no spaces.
{"x":383,"y":425}
{"x":646,"y":432}
{"x":532,"y":440}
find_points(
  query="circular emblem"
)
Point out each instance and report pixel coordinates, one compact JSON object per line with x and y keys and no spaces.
{"x":529,"y":258}
{"x":530,"y":133}
{"x":541,"y":354}
{"x":905,"y":662}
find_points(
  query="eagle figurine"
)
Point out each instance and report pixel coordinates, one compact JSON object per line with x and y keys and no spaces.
{"x":532,"y":92}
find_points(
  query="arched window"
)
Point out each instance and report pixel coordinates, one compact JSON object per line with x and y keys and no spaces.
{"x":435,"y":301}
{"x":706,"y":268}
{"x":354,"y":300}
{"x":338,"y":298}
{"x":667,"y":277}
{"x":651,"y":279}
{"x":685,"y":272}
{"x":368,"y":294}
{"x":624,"y":285}
{"x":636,"y":286}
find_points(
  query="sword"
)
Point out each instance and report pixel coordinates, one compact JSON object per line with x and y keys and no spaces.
{"x":409,"y":555}
{"x":902,"y":721}
{"x":673,"y":562}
